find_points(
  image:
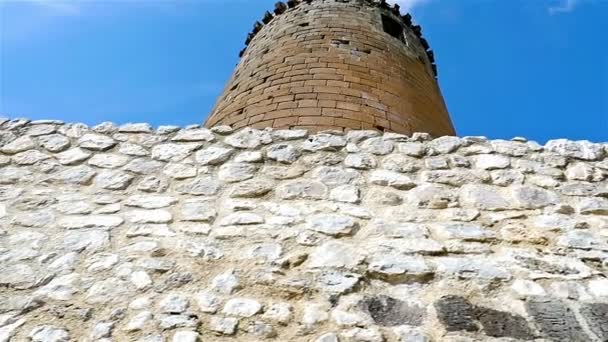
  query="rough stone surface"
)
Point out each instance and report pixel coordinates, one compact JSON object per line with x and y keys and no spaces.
{"x":174,"y":235}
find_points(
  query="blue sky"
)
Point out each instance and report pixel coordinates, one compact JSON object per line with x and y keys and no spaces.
{"x":533,"y":68}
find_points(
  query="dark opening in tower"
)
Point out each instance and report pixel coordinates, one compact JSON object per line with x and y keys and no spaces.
{"x":392,"y":27}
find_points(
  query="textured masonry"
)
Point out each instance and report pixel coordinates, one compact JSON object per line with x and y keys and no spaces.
{"x":138,"y":234}
{"x":328,"y":64}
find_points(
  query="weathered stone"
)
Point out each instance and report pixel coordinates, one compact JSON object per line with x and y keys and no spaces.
{"x":555,"y":319}
{"x":437,"y":163}
{"x":596,"y":315}
{"x":469,"y":267}
{"x":378,"y":146}
{"x":106,"y":291}
{"x":49,"y":333}
{"x":290,"y":134}
{"x":491,"y":162}
{"x":302,"y":190}
{"x":456,"y":313}
{"x":484,"y":197}
{"x":20,"y":144}
{"x":113,"y":180}
{"x":584,"y":150}
{"x":389,"y":312}
{"x":135,"y":128}
{"x":251,"y":188}
{"x":324,"y":142}
{"x":444,"y":145}
{"x":198,"y":211}
{"x":199,"y":134}
{"x":143,"y":166}
{"x":335,"y":254}
{"x":333,"y":225}
{"x":533,"y":198}
{"x":213,"y":155}
{"x":173,"y":152}
{"x":174,"y":304}
{"x":13,"y":175}
{"x":248,"y":138}
{"x":77,"y":175}
{"x":96,"y":142}
{"x":331,"y":175}
{"x":90,"y":221}
{"x":392,"y":179}
{"x":237,"y":219}
{"x":361,"y":161}
{"x":223,"y":325}
{"x":593,"y":206}
{"x":503,"y":324}
{"x":134,"y":150}
{"x":201,"y":186}
{"x":345,"y":193}
{"x":465,"y":232}
{"x":399,"y":268}
{"x":236,"y":172}
{"x":108,"y":160}
{"x":242,"y":307}
{"x":149,"y":216}
{"x":283,"y":153}
{"x":73,"y":156}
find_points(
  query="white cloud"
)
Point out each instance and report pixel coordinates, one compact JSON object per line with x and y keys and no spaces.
{"x":565,"y":6}
{"x":407,"y":5}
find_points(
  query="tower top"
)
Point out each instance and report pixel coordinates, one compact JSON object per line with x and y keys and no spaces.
{"x":335,"y":64}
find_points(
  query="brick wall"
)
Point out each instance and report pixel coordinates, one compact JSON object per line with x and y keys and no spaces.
{"x":330,"y":65}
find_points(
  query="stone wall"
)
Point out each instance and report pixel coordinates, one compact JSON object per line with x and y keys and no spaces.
{"x":138,"y":234}
{"x":328,"y":64}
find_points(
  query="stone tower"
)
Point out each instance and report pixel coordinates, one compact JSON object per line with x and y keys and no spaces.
{"x":335,"y":64}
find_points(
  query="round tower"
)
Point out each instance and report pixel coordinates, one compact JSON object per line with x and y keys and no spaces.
{"x":335,"y":64}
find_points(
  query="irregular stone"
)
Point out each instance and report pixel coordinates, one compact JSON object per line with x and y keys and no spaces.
{"x":503,"y":324}
{"x":290,"y":134}
{"x":450,"y":177}
{"x":336,"y":282}
{"x":135,"y":128}
{"x":90,"y":240}
{"x":207,"y":302}
{"x":199,"y":134}
{"x":555,"y":319}
{"x":456,"y":313}
{"x":378,"y":146}
{"x":363,"y":335}
{"x":335,"y":254}
{"x":130,"y":149}
{"x":596,"y":315}
{"x":107,"y":291}
{"x":141,"y":280}
{"x":399,"y":268}
{"x":13,"y":175}
{"x":527,"y":288}
{"x":153,"y":184}
{"x":484,"y":197}
{"x":389,"y":312}
{"x":185,"y":336}
{"x":314,"y":314}
{"x":96,"y":142}
{"x":491,"y":162}
{"x":223,"y":325}
{"x":510,"y":148}
{"x":29,"y":157}
{"x":468,"y":267}
{"x":333,"y":225}
{"x":327,"y":337}
{"x":225,"y":283}
{"x":283,"y":153}
{"x":242,"y":307}
{"x":213,"y":155}
{"x":41,"y":129}
{"x":465,"y":232}
{"x":90,"y":221}
{"x":584,"y":150}
{"x":302,"y":189}
{"x":324,"y":142}
{"x":582,"y":240}
{"x":49,"y":333}
{"x":261,"y":330}
{"x":251,"y":188}
{"x":174,"y":304}
{"x":150,"y":201}
{"x":180,"y":171}
{"x":149,"y":216}
{"x":248,"y":138}
{"x":392,"y":179}
{"x":73,"y":156}
{"x":444,"y":145}
{"x":62,"y":288}
{"x":20,"y":144}
{"x":108,"y":160}
{"x":593,"y":206}
{"x":400,"y":163}
{"x":331,"y":175}
{"x":533,"y":198}
{"x":361,"y":161}
{"x":431,"y":196}
{"x":36,"y":219}
{"x":281,"y":313}
{"x":249,"y":157}
{"x":80,"y":175}
{"x":345,"y":193}
{"x":173,"y":152}
{"x":7,"y":331}
{"x":201,"y":186}
{"x":241,"y":219}
{"x":17,"y":276}
{"x":236,"y":172}
{"x":138,"y":322}
{"x":437,"y":163}
{"x":143,"y":166}
{"x":599,"y":287}
{"x":113,"y":180}
{"x":198,"y":211}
